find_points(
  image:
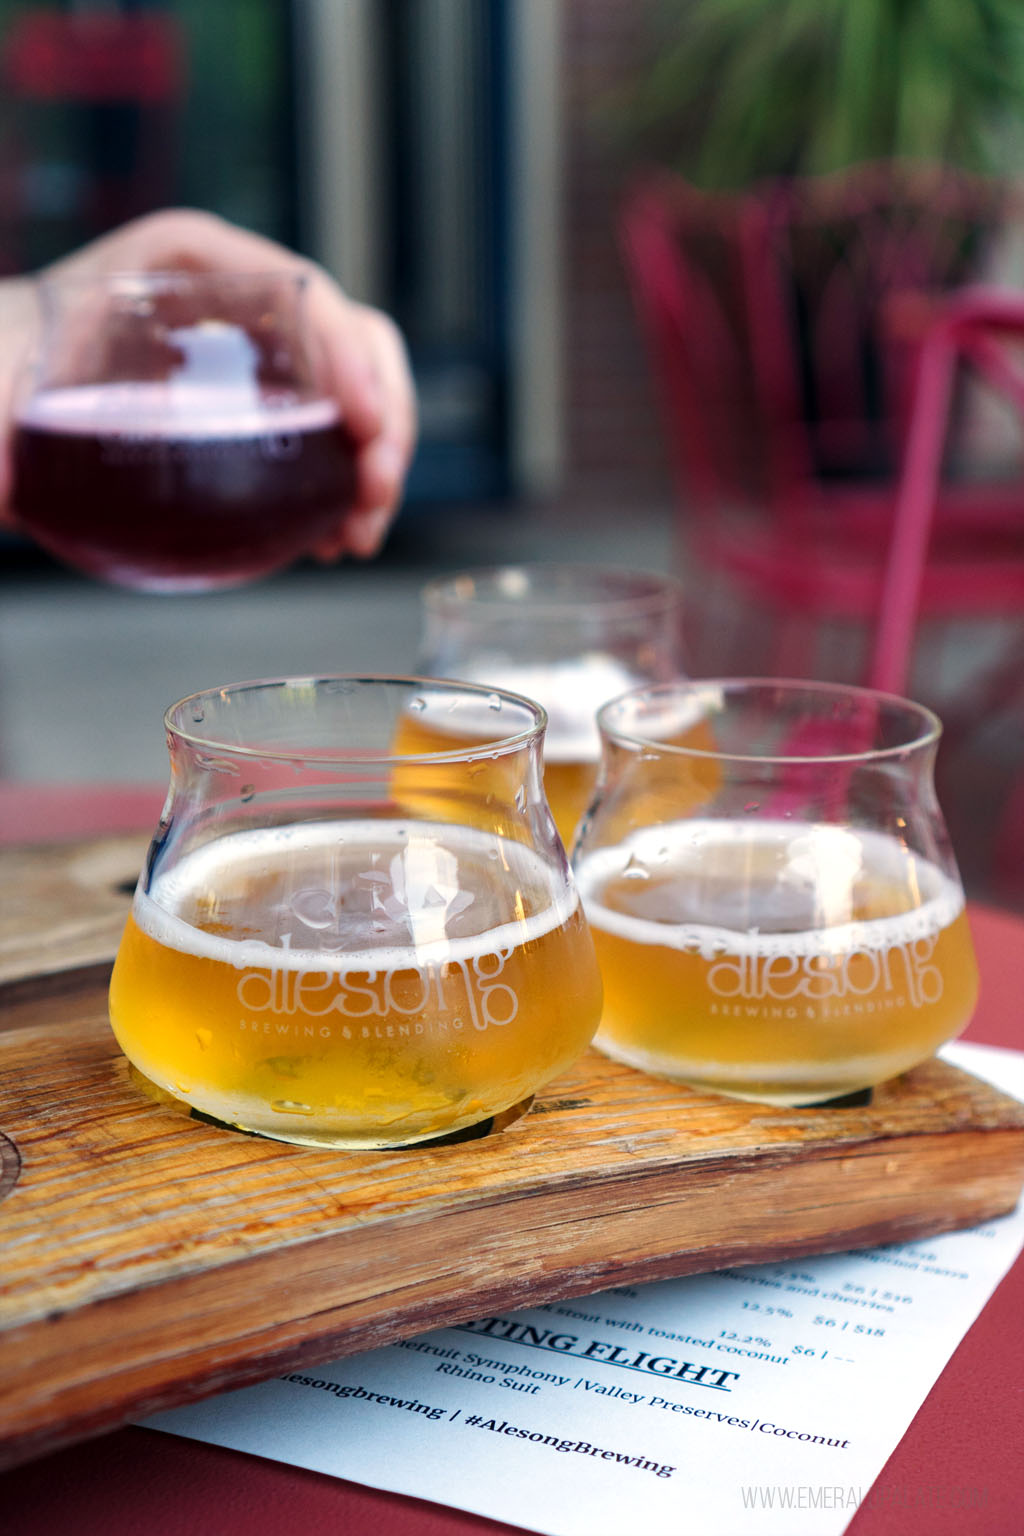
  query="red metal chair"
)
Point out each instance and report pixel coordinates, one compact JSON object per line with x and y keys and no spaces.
{"x":786,"y":388}
{"x":877,"y":510}
{"x":957,"y":543}
{"x":957,"y":546}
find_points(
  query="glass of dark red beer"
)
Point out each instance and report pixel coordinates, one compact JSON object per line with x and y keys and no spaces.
{"x":174,"y":436}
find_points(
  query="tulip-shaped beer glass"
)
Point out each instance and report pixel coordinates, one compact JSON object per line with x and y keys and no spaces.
{"x":570,"y":636}
{"x":174,"y":434}
{"x":342,"y":940}
{"x":775,"y":905}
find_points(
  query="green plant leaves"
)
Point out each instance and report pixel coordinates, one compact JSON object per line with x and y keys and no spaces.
{"x":739,"y":89}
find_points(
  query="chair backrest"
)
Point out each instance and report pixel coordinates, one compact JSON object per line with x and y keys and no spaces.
{"x":684,"y":257}
{"x":764,"y":315}
{"x":974,"y":337}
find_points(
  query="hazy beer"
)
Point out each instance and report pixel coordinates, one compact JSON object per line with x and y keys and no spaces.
{"x":570,"y":636}
{"x":572,"y":693}
{"x":775,"y":961}
{"x":362,"y":982}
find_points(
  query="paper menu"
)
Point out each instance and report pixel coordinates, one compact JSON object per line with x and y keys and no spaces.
{"x":764,"y":1399}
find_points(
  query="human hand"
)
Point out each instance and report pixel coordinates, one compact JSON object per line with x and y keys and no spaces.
{"x":360,"y":353}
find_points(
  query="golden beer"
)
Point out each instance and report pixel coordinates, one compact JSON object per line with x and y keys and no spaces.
{"x":776,"y":962}
{"x":572,"y":636}
{"x":571,"y":693}
{"x":568,"y":784}
{"x":355,"y":983}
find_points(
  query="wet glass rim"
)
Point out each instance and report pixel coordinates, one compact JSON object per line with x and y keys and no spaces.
{"x":329,"y":682}
{"x":930,"y":726}
{"x":184,"y":277}
{"x":137,"y":284}
{"x":651,"y":591}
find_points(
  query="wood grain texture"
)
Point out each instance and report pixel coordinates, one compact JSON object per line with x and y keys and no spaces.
{"x":64,"y":906}
{"x":149,"y":1259}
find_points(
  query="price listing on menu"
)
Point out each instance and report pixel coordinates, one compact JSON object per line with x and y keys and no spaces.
{"x":763,"y":1399}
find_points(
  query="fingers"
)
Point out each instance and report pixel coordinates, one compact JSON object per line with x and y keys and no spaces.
{"x":177,"y":239}
{"x":372,"y":381}
{"x":360,"y":359}
{"x":384,"y":462}
{"x":359,"y":533}
{"x":366,"y":366}
{"x":18,"y":324}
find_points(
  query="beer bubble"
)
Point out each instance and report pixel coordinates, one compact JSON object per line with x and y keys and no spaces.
{"x":198,"y":714}
{"x":286,"y":1066}
{"x":417,"y":706}
{"x":494,"y":702}
{"x":635,"y":869}
{"x":291,"y":1107}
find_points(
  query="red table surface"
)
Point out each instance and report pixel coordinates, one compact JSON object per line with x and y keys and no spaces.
{"x":958,"y":1471}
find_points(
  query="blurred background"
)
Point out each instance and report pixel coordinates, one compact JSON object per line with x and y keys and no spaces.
{"x":466,"y":164}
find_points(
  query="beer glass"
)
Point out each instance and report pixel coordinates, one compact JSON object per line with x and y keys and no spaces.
{"x":339,"y":940}
{"x":171,"y":435}
{"x":570,"y":636}
{"x":775,"y":904}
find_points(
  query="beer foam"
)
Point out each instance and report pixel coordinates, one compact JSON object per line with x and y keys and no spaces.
{"x":687,"y":850}
{"x":572,"y":692}
{"x":157,"y":913}
{"x":173,"y":409}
